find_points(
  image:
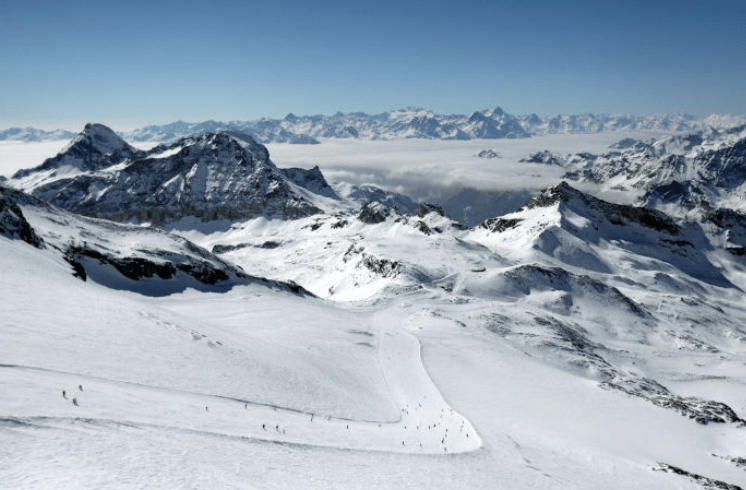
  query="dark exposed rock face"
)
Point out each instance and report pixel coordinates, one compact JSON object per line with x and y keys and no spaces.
{"x":733,"y":225}
{"x":194,"y":262}
{"x":313,"y":180}
{"x":427,"y":208}
{"x":137,"y":268}
{"x":221,"y":249}
{"x":727,"y":218}
{"x":215,"y":176}
{"x":498,"y":225}
{"x":706,"y":482}
{"x":382,"y":267}
{"x":543,"y":157}
{"x":379,"y":266}
{"x":701,"y":411}
{"x":373,"y":213}
{"x":12,"y":222}
{"x":726,"y":167}
{"x":687,"y":195}
{"x":95,"y":148}
{"x":488,"y":154}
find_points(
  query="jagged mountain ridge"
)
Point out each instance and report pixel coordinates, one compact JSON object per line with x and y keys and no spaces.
{"x":420,"y":123}
{"x":406,"y":123}
{"x":693,"y":173}
{"x":223,"y":175}
{"x":579,"y":230}
{"x":29,"y":134}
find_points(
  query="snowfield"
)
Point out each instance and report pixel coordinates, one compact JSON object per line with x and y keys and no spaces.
{"x":572,"y":343}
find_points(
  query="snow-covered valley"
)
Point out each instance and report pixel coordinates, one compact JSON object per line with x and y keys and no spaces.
{"x":341,"y":336}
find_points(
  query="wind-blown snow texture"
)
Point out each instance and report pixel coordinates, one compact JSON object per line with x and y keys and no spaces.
{"x":296,"y":335}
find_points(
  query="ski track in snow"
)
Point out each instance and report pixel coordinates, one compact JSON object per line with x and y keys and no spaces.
{"x":427,"y":424}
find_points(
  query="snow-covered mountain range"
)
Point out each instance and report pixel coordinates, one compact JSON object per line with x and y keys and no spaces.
{"x":406,"y":123}
{"x":420,"y":123}
{"x":34,"y":134}
{"x":212,"y":317}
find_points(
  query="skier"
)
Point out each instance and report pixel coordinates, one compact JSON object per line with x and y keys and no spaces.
{"x":75,"y":402}
{"x":64,"y":395}
{"x":80,"y":387}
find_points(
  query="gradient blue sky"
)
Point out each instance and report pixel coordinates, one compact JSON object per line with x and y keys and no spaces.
{"x":132,"y":63}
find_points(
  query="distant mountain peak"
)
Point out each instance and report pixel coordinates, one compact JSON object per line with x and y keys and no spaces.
{"x":101,"y":138}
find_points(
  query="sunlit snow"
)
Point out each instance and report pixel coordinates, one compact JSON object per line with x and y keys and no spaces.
{"x":460,"y":358}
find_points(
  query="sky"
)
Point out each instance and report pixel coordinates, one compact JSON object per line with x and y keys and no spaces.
{"x":129,"y":64}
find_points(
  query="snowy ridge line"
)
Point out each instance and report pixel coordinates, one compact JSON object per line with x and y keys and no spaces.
{"x":426,"y":425}
{"x":404,"y":123}
{"x":421,"y":123}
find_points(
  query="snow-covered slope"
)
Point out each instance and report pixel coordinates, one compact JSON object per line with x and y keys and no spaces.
{"x":572,"y":343}
{"x":126,"y":257}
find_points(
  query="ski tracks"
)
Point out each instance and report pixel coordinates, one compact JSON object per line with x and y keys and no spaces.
{"x":427,"y":424}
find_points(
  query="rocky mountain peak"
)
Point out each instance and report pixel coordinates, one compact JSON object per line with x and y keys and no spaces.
{"x":13,"y":223}
{"x":94,"y":148}
{"x":97,"y":139}
{"x":374,"y":212}
{"x":548,"y":197}
{"x":545,"y":157}
{"x":221,"y":175}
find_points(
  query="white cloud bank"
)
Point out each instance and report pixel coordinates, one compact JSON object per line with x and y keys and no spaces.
{"x":426,"y":169}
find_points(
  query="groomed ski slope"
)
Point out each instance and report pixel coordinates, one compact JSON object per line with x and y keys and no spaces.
{"x":169,"y":410}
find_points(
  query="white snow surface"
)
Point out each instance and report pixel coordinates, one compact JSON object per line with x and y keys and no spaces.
{"x":465,"y":358}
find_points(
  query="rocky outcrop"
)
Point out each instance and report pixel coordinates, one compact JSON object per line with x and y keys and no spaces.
{"x":544,"y":157}
{"x":374,"y":213}
{"x":12,"y":222}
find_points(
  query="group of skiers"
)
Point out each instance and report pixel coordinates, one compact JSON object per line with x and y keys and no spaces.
{"x":75,"y":400}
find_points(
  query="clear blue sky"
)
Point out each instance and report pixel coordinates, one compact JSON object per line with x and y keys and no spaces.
{"x":132,"y":63}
